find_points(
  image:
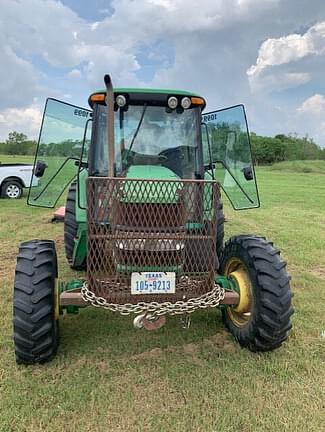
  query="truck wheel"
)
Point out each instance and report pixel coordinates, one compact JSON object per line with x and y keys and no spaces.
{"x":71,"y":226}
{"x":12,"y":189}
{"x":261,"y":320}
{"x":36,"y":303}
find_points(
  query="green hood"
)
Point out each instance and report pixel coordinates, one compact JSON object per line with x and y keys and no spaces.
{"x":137,"y":192}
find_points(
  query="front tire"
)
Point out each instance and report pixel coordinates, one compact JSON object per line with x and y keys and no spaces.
{"x":12,"y":189}
{"x":261,"y":320}
{"x":36,"y":303}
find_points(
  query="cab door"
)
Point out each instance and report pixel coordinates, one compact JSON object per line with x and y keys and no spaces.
{"x":228,"y":156}
{"x":62,"y":151}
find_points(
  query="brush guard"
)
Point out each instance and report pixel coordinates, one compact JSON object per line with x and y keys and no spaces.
{"x":141,"y":225}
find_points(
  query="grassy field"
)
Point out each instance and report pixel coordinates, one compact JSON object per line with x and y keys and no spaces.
{"x":16,"y":159}
{"x":300,"y":166}
{"x":110,"y":377}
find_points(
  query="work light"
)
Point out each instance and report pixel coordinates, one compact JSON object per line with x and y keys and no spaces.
{"x":186,"y":102}
{"x":120,"y":100}
{"x":172,"y":102}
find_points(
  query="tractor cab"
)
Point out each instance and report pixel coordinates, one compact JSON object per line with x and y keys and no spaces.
{"x":154,"y":136}
{"x":158,"y":134}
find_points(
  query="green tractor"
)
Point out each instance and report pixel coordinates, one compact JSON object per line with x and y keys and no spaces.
{"x":144,"y":219}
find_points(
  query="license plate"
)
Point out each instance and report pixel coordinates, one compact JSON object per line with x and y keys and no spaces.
{"x":153,"y":283}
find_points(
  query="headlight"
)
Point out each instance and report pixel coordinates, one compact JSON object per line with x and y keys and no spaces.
{"x":186,"y":102}
{"x":120,"y":100}
{"x":159,"y":245}
{"x":172,"y":102}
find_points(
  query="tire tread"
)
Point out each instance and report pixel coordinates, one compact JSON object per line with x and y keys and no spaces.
{"x":35,"y":329}
{"x":270,"y":324}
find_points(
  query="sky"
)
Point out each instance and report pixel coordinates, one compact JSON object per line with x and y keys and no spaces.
{"x":267,"y":54}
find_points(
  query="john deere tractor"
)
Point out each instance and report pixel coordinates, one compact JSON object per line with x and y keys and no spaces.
{"x":144,"y":218}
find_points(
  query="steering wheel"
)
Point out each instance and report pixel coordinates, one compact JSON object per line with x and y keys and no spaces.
{"x":141,"y":158}
{"x":174,"y":152}
{"x":135,"y":158}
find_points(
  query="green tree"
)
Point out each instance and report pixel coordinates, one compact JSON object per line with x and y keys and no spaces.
{"x":18,"y":144}
{"x":15,"y":143}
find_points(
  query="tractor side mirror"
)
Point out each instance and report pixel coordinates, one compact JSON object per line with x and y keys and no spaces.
{"x":39,"y":169}
{"x":248,"y":173}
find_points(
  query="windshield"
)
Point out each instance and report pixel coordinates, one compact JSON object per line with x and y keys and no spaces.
{"x":149,"y":135}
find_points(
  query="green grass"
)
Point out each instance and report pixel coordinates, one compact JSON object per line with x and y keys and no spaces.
{"x":16,"y":159}
{"x":110,"y":377}
{"x":53,"y":175}
{"x":300,"y":166}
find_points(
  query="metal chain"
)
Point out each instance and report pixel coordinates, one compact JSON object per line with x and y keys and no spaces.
{"x":209,"y":299}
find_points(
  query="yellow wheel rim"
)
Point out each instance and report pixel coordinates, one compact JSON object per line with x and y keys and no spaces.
{"x":241,"y":314}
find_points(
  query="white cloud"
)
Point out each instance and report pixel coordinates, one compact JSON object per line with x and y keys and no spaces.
{"x":212,"y":44}
{"x":279,"y":80}
{"x":74,"y":73}
{"x":290,"y":48}
{"x":313,"y":105}
{"x":310,"y":116}
{"x":19,"y":79}
{"x":94,"y":25}
{"x":26,"y":120}
{"x":275,"y":52}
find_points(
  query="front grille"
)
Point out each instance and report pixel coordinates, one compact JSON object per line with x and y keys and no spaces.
{"x":137,"y":225}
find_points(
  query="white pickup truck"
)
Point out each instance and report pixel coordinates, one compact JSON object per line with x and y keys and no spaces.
{"x":15,"y":177}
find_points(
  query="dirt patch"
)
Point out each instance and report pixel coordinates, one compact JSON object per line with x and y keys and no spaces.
{"x":59,"y":242}
{"x":222,"y":341}
{"x":152,"y":354}
{"x":319,"y":271}
{"x":148,"y":393}
{"x":191,"y":348}
{"x":8,"y":260}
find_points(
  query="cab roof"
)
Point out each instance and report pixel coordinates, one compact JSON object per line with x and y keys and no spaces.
{"x":145,"y":94}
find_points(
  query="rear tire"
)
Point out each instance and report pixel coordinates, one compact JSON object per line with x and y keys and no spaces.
{"x":261,"y":321}
{"x":71,"y":227}
{"x":36,"y":303}
{"x":12,"y":189}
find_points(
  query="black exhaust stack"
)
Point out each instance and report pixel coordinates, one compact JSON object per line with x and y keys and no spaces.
{"x":110,"y":125}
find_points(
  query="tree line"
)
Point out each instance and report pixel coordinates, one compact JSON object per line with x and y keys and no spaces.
{"x":19,"y":144}
{"x":266,"y":150}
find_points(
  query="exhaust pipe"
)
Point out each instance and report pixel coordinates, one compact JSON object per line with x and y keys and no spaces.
{"x":110,"y":125}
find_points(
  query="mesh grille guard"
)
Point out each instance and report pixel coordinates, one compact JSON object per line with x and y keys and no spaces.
{"x":137,"y":225}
